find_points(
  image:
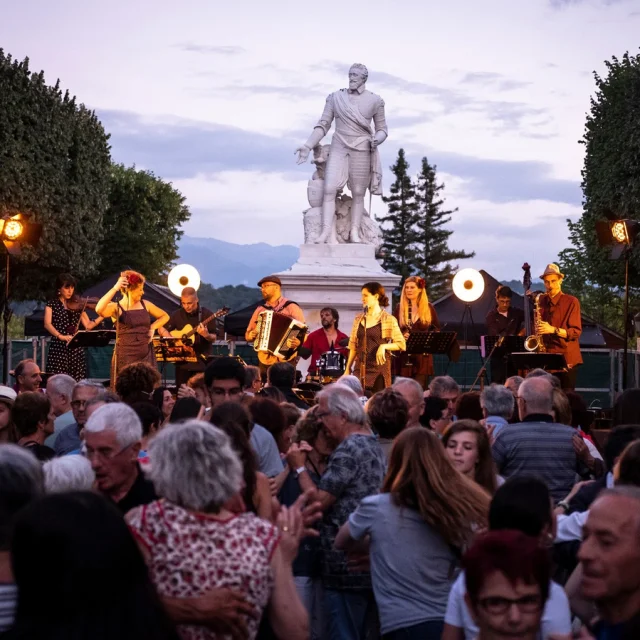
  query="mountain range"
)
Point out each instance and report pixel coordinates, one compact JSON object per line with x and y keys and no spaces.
{"x":226,"y":263}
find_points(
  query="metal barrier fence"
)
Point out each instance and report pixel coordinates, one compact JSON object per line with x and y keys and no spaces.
{"x":599,"y":378}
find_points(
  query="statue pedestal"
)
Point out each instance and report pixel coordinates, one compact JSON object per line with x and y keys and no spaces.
{"x":332,"y":275}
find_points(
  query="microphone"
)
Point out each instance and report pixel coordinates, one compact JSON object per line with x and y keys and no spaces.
{"x":366,"y":309}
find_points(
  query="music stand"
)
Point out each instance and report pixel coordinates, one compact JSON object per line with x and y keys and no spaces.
{"x":509,"y":344}
{"x":430,"y":342}
{"x":526,"y":361}
{"x":100,"y":338}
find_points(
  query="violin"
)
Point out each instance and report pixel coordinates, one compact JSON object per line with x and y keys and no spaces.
{"x":77,"y":303}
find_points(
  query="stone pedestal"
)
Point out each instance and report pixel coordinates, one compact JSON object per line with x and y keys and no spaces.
{"x":332,"y":275}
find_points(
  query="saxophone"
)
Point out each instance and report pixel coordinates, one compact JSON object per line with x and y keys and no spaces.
{"x":535,"y":343}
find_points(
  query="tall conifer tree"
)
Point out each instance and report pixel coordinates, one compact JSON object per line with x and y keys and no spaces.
{"x":399,"y":233}
{"x":433,"y":256}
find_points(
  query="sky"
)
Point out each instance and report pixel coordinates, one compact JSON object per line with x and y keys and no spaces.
{"x":215,"y":97}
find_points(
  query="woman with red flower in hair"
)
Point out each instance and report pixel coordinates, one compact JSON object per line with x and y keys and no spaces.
{"x":415,"y":313}
{"x":132,"y":316}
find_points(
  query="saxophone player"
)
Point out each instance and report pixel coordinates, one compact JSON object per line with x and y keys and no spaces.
{"x":560,"y":324}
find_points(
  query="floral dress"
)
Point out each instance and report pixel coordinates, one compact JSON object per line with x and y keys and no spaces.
{"x":60,"y":358}
{"x":192,"y":553}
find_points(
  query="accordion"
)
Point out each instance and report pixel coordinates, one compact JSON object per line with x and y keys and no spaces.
{"x":274,"y":330}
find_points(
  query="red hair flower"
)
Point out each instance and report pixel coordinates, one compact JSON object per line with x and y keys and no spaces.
{"x":421,"y":283}
{"x":134,"y":279}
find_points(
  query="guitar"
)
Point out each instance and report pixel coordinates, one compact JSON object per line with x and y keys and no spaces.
{"x":187,"y":333}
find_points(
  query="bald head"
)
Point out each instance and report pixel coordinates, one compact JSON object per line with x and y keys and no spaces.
{"x":535,"y":395}
{"x":412,"y":392}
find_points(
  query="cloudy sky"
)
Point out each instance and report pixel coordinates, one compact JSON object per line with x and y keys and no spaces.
{"x":216,"y":96}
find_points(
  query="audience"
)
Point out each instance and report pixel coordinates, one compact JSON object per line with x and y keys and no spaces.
{"x":397,"y":509}
{"x":196,"y":472}
{"x":186,"y":409}
{"x":21,"y":482}
{"x":467,"y":445}
{"x":69,"y":473}
{"x":507,"y":578}
{"x":413,"y":393}
{"x":60,"y":391}
{"x":68,"y":440}
{"x":536,"y":445}
{"x":436,"y":415}
{"x":533,"y":517}
{"x":426,"y":514}
{"x":7,"y":427}
{"x":610,"y":560}
{"x":497,"y":407}
{"x":113,"y":439}
{"x":468,"y":406}
{"x":28,"y":376}
{"x":80,"y":574}
{"x":163,"y":399}
{"x":447,"y":388}
{"x":225,"y":378}
{"x":355,"y":471}
{"x":33,"y":419}
{"x":282,"y":376}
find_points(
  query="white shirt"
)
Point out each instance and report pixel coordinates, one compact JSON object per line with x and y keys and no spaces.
{"x":556,"y":617}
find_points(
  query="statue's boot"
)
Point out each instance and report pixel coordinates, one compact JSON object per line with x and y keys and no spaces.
{"x":357,"y":210}
{"x":328,"y":215}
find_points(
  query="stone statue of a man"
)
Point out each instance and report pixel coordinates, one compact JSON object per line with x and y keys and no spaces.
{"x":354,"y":159}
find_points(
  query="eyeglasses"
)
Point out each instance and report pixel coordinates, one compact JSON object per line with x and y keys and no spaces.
{"x":497,"y":605}
{"x":78,"y":403}
{"x":231,"y":393}
{"x":105,"y":455}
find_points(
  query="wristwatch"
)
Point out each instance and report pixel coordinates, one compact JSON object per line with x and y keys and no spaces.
{"x":564,"y":505}
{"x":300,"y":470}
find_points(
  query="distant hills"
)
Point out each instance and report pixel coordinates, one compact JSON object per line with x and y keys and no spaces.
{"x":226,"y":263}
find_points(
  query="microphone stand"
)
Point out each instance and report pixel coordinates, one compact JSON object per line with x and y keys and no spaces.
{"x":483,"y":370}
{"x":363,"y":352}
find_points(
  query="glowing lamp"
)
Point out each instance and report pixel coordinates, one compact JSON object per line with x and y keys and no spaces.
{"x":468,"y":285}
{"x":181,"y":276}
{"x":12,"y":230}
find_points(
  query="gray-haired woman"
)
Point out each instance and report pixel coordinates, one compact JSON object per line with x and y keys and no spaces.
{"x":194,"y":544}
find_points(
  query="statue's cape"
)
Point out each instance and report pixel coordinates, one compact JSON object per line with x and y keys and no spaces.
{"x":344,"y":109}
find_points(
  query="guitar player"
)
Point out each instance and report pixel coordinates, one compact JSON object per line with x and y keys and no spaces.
{"x":191,"y":313}
{"x":271,"y":288}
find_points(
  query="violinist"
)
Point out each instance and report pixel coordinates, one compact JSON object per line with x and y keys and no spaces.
{"x":62,"y":318}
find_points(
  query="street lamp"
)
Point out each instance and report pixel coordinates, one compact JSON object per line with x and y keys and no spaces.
{"x":15,"y":231}
{"x":620,"y":235}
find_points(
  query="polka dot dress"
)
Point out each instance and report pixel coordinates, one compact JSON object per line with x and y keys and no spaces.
{"x":61,"y":359}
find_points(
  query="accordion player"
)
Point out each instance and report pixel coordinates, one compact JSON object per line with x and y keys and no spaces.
{"x":275,"y":330}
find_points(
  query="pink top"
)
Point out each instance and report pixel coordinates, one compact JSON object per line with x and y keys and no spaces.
{"x":192,"y":553}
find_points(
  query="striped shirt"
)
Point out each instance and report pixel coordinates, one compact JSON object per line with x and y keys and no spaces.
{"x":539,"y":447}
{"x":8,"y":600}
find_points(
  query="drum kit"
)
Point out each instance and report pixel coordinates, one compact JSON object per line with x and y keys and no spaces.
{"x":329,"y":367}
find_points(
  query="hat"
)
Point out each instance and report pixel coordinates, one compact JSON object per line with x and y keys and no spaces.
{"x":552,"y":270}
{"x":7,"y":393}
{"x":273,"y":279}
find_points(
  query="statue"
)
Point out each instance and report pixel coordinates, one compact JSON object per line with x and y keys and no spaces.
{"x":354,"y":159}
{"x":341,"y":225}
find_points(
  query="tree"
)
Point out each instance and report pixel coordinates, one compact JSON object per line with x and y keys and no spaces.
{"x":433,"y":256}
{"x":611,"y":188}
{"x":54,"y":165}
{"x":398,"y":239}
{"x":141,"y":226}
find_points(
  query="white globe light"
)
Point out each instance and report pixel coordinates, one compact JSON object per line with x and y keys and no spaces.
{"x":181,"y":276}
{"x":468,"y":285}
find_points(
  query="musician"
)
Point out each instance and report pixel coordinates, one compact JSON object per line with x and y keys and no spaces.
{"x":504,"y":320}
{"x":415,"y":313}
{"x":271,"y":288}
{"x":382,"y":335}
{"x":62,"y":319}
{"x":323,"y":339}
{"x":132,"y":316}
{"x":191,"y":314}
{"x":561,"y":324}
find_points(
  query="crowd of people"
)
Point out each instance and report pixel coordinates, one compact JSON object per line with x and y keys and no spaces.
{"x":229,"y":509}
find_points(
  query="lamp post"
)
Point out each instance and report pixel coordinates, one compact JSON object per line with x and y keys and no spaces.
{"x":621,"y":235}
{"x":15,"y":230}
